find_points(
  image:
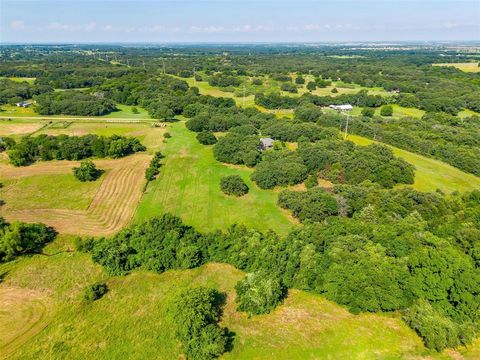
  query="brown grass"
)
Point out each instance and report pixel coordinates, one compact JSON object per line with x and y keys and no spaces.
{"x":112,"y":207}
{"x":24,"y":313}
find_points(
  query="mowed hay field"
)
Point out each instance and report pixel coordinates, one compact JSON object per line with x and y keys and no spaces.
{"x":189,"y":186}
{"x":47,"y":192}
{"x":132,"y":320}
{"x":430,"y":174}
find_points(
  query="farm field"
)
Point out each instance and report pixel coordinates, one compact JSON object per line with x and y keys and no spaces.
{"x":102,"y":207}
{"x":189,"y":186}
{"x":466,"y":66}
{"x":431,"y":174}
{"x":306,"y":326}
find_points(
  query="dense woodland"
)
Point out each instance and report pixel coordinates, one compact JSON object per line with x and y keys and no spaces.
{"x":366,"y":241}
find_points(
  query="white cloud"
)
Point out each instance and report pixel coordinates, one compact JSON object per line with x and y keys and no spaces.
{"x":55,"y":26}
{"x":18,"y":25}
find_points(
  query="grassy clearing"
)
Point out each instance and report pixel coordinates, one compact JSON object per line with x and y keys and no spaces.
{"x":466,"y":66}
{"x":189,"y":186}
{"x":132,"y":320}
{"x":29,"y":80}
{"x":125,"y":112}
{"x":431,"y":174}
{"x":398,"y":111}
{"x":61,"y":191}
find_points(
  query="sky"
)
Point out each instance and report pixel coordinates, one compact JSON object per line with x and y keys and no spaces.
{"x":229,"y":21}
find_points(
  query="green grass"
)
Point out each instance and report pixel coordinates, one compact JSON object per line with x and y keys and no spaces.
{"x":431,"y":174}
{"x":189,"y":186}
{"x":132,"y":319}
{"x":59,"y":191}
{"x":29,"y":80}
{"x":125,"y":112}
{"x":398,"y":111}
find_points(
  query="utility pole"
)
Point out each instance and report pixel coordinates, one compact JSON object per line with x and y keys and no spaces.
{"x":194,"y":77}
{"x":143,"y":61}
{"x":163,"y":61}
{"x":243,"y":95}
{"x":346,"y":127}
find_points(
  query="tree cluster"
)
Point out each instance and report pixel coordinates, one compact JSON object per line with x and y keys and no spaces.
{"x":63,"y":147}
{"x":19,"y":238}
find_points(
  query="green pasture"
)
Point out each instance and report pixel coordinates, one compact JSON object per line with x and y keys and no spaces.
{"x":431,"y":174}
{"x":189,"y":186}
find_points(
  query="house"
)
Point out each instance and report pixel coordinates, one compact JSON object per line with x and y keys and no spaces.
{"x":24,"y":104}
{"x":266,"y":143}
{"x":345,"y":107}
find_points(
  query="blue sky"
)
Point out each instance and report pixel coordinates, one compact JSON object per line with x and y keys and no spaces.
{"x":238,"y":21}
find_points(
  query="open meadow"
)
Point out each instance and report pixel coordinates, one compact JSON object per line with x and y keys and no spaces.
{"x":189,"y":186}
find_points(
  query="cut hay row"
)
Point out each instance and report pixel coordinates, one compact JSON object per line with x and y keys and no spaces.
{"x":112,"y":207}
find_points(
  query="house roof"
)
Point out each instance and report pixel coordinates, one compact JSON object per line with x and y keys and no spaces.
{"x":267,"y":141}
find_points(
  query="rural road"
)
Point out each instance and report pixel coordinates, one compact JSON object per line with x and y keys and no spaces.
{"x":94,"y":118}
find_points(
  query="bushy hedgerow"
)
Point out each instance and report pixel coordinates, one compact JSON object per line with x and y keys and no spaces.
{"x":154,"y":168}
{"x":233,"y":185}
{"x":196,"y":313}
{"x":63,"y":147}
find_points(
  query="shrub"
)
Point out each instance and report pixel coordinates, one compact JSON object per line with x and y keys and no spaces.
{"x":233,"y":185}
{"x":167,"y":135}
{"x":300,"y":80}
{"x":95,"y":292}
{"x":368,"y":112}
{"x":196,"y":313}
{"x":259,"y":293}
{"x":154,"y":168}
{"x":334,"y":91}
{"x":87,"y":171}
{"x":386,"y":110}
{"x":206,"y":138}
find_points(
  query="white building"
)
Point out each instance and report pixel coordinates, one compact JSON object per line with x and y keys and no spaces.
{"x":345,"y":107}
